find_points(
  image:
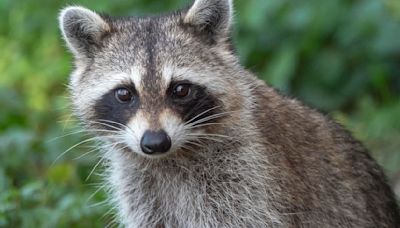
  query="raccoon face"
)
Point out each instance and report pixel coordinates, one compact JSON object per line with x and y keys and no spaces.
{"x":157,"y":84}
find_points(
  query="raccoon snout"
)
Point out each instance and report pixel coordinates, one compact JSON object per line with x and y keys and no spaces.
{"x":155,"y":142}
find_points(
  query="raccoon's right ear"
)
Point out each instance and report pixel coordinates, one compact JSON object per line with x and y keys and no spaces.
{"x":82,"y":30}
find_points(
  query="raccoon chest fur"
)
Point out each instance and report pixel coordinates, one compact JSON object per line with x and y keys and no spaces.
{"x":221,"y":192}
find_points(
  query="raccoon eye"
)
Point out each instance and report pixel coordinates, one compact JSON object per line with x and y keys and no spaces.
{"x":182,"y":90}
{"x":123,"y":95}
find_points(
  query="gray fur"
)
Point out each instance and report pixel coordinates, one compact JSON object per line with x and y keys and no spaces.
{"x":266,"y":161}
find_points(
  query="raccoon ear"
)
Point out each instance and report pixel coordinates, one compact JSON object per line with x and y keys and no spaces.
{"x":82,"y":30}
{"x":214,"y":17}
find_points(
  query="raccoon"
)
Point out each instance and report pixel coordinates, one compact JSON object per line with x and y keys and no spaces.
{"x":192,"y":139}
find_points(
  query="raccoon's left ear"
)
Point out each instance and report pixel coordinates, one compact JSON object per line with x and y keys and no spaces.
{"x":82,"y":30}
{"x":211,"y":17}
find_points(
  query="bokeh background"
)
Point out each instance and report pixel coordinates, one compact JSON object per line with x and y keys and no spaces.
{"x":340,"y":56}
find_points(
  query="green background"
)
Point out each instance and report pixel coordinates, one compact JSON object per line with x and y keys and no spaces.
{"x":340,"y":56}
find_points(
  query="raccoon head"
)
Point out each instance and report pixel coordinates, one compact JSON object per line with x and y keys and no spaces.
{"x":154,"y":85}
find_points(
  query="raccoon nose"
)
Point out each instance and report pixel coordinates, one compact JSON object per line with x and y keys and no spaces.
{"x":155,"y":142}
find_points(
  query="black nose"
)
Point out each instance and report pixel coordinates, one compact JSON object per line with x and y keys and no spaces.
{"x":155,"y":142}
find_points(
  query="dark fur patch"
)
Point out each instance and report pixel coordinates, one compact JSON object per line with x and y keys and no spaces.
{"x":151,"y":79}
{"x":108,"y":109}
{"x":200,"y":101}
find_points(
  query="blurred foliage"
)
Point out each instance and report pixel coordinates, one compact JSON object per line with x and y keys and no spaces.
{"x":340,"y":56}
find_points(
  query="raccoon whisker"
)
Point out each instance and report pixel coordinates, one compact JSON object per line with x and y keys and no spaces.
{"x":65,"y":135}
{"x":94,"y":138}
{"x":97,"y":164}
{"x":86,"y":153}
{"x":118,"y":142}
{"x":209,"y":138}
{"x":198,"y":104}
{"x":203,"y":140}
{"x":96,"y":148}
{"x":110,"y":121}
{"x":68,"y":119}
{"x":95,"y":192}
{"x":195,"y":143}
{"x":106,"y":125}
{"x":98,"y":143}
{"x":115,"y":136}
{"x":102,"y":130}
{"x":78,"y":132}
{"x":109,"y":148}
{"x":112,"y":138}
{"x":206,"y":118}
{"x":123,"y":148}
{"x":95,"y":185}
{"x":113,"y":221}
{"x":202,"y":125}
{"x":211,"y":135}
{"x":103,"y":202}
{"x":206,"y":141}
{"x":201,"y":136}
{"x":107,"y":213}
{"x":111,"y":132}
{"x":211,"y":117}
{"x":72,"y":147}
{"x":122,"y":125}
{"x":202,"y":113}
{"x":186,"y":147}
